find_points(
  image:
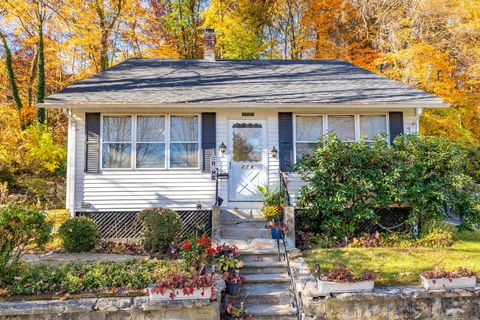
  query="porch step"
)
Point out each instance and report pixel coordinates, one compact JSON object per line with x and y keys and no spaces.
{"x":226,"y":214}
{"x":267,"y":278}
{"x":262,"y":294}
{"x":267,"y":256}
{"x":270,"y":312}
{"x":249,"y":233}
{"x":245,"y":243}
{"x":256,"y":223}
{"x":264,"y":267}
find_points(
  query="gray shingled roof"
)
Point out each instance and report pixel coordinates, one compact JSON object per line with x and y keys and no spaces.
{"x":158,"y":81}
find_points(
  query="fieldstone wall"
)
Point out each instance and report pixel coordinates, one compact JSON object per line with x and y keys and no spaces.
{"x":128,"y":308}
{"x":395,"y":303}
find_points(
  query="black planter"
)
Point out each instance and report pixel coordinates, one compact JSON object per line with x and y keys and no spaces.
{"x":233,"y":289}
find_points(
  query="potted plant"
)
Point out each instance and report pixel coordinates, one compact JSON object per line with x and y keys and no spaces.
{"x":197,"y":254}
{"x":227,"y":250}
{"x":273,"y":202}
{"x":277,"y":230}
{"x":228,"y":263}
{"x":233,"y":282}
{"x":233,"y":313}
{"x":182,"y":286}
{"x":441,"y":279}
{"x":341,"y":279}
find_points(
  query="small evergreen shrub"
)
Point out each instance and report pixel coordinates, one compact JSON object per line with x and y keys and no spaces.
{"x":20,"y":229}
{"x":79,"y":234}
{"x":160,"y":227}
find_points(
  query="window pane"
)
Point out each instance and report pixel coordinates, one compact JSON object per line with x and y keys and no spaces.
{"x":342,"y":126}
{"x":303,"y":148}
{"x":371,"y":126}
{"x":117,"y":128}
{"x":116,"y":155}
{"x":150,"y":155}
{"x":183,"y":128}
{"x":151,"y":128}
{"x":184,"y":155}
{"x":309,"y":128}
{"x":247,"y":142}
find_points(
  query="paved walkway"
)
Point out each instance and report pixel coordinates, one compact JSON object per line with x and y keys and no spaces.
{"x":64,"y":258}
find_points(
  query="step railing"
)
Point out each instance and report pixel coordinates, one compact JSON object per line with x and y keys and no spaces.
{"x":284,"y":190}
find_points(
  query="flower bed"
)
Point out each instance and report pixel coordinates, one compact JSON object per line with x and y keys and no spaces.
{"x":341,"y":279}
{"x":182,"y":286}
{"x":462,"y":278}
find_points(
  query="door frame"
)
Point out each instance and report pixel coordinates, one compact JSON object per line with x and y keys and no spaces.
{"x":265,"y":152}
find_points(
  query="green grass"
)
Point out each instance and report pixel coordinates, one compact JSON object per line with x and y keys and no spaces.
{"x":402,"y":266}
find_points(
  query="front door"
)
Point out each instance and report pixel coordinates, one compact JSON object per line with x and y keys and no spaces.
{"x":248,"y":160}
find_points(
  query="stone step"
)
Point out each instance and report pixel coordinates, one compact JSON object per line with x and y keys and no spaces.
{"x":240,"y":214}
{"x":277,"y":293}
{"x":269,"y":312}
{"x":249,"y":233}
{"x":247,"y":244}
{"x":267,"y":278}
{"x":243,"y":223}
{"x":264,"y":267}
{"x":273,"y":257}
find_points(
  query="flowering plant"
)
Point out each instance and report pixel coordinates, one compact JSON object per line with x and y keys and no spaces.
{"x":233,"y":277}
{"x":186,"y":282}
{"x":225,"y":263}
{"x":225,"y":250}
{"x":343,"y":274}
{"x":274,"y":225}
{"x":197,"y":253}
{"x":437,"y":274}
{"x":234,"y":313}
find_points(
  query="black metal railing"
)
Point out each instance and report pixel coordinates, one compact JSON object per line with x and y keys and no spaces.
{"x":286,"y":195}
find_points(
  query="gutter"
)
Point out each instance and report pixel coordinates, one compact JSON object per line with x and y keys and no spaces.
{"x":71,"y":144}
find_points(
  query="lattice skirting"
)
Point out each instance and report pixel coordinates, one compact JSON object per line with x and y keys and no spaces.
{"x":124,"y":226}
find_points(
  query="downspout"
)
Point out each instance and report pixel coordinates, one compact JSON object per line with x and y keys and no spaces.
{"x":418,"y":113}
{"x":72,"y":129}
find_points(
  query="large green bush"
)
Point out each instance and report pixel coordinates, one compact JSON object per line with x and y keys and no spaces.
{"x":20,"y":229}
{"x":160,"y":227}
{"x":79,"y":234}
{"x":349,"y":183}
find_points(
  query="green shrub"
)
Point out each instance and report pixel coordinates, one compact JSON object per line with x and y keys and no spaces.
{"x":20,"y":229}
{"x":160,"y":227}
{"x":350,"y":183}
{"x":79,"y":234}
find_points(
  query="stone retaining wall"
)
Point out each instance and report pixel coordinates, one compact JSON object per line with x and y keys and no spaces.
{"x":131,"y":308}
{"x":395,"y":303}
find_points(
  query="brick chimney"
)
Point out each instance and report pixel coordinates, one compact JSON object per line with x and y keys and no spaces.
{"x":209,"y":45}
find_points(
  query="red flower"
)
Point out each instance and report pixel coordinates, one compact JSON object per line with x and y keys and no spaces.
{"x":186,"y":245}
{"x":211,"y":251}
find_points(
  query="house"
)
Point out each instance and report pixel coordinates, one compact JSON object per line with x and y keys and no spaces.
{"x":143,"y":133}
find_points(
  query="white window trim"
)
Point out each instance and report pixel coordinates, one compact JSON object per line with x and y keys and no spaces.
{"x":326,"y":130}
{"x":133,"y":142}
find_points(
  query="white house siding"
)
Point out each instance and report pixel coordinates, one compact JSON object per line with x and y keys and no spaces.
{"x":129,"y":190}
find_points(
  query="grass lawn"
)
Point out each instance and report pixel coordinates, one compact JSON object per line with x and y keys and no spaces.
{"x":402,"y":266}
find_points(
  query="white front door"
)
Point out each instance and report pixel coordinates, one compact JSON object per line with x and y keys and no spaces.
{"x":248,"y":159}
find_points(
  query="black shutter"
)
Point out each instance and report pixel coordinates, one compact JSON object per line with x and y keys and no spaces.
{"x":285,"y":140}
{"x":396,"y":124}
{"x":92,"y":142}
{"x":209,"y":138}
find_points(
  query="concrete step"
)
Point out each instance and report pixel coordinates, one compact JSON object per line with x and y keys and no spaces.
{"x":247,"y":244}
{"x":272,"y":257}
{"x":226,"y":214}
{"x":267,"y":278}
{"x":264,"y":267}
{"x":269,"y":312}
{"x":249,"y":233}
{"x":243,"y":223}
{"x":278,"y":293}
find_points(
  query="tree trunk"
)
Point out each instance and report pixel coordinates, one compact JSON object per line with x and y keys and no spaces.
{"x":104,"y":50}
{"x":41,"y":76}
{"x":31,"y":78}
{"x":11,"y":74}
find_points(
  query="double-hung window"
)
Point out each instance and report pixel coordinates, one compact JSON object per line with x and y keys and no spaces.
{"x":117,"y":142}
{"x":308,"y":131}
{"x":150,"y":147}
{"x":343,"y":126}
{"x":150,"y":141}
{"x":184,"y":142}
{"x":372,"y":125}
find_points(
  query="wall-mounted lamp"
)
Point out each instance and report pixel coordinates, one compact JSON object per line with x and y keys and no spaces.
{"x":274,"y":152}
{"x":222,"y":148}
